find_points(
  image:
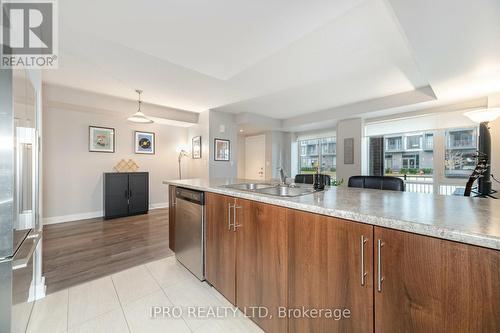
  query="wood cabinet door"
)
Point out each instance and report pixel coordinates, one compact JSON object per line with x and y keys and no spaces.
{"x":220,"y":256}
{"x":433,"y":285}
{"x":327,"y":258}
{"x":171,"y":217}
{"x":261,"y":263}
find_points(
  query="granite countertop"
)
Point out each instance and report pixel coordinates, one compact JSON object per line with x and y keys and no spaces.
{"x":468,"y":220}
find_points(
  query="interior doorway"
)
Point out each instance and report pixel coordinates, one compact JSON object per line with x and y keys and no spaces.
{"x":255,"y":157}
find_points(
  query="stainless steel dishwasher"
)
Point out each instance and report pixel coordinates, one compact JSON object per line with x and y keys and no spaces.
{"x":190,"y":230}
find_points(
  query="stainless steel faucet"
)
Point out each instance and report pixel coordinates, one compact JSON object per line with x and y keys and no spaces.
{"x":282,"y":176}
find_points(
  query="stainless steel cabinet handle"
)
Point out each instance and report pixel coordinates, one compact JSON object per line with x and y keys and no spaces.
{"x":362,"y":250}
{"x":229,"y":224}
{"x":234,"y":218}
{"x":379,"y":265}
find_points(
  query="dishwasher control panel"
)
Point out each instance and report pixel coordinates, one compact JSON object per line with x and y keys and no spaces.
{"x":190,"y":195}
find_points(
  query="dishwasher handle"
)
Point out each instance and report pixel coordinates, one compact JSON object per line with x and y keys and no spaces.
{"x":193,"y":196}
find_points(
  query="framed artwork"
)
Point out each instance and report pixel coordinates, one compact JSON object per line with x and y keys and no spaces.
{"x":222,"y":150}
{"x":196,"y":147}
{"x":144,"y":142}
{"x":101,"y":139}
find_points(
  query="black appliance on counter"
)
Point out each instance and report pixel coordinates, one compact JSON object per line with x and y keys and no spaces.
{"x":484,"y":185}
{"x":125,"y":194}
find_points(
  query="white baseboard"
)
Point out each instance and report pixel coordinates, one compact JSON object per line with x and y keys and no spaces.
{"x":72,"y":217}
{"x":158,"y":205}
{"x":89,"y":215}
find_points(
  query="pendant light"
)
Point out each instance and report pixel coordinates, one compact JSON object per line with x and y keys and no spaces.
{"x":139,"y":117}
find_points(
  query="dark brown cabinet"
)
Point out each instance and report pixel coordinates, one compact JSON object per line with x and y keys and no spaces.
{"x":246,"y":256}
{"x":330,"y":267}
{"x":434,"y":285}
{"x":220,"y":255}
{"x":171,"y":217}
{"x":262,"y":262}
{"x":125,"y":194}
{"x":260,"y":255}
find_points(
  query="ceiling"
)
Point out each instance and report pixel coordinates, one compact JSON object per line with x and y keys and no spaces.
{"x":282,"y":59}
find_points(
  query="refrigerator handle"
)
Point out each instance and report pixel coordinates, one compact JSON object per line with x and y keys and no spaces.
{"x":23,"y":262}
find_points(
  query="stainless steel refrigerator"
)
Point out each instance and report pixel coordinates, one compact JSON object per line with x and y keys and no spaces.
{"x":20,"y":230}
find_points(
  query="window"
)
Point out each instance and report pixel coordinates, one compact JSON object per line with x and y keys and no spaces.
{"x":318,"y":151}
{"x":388,"y":164}
{"x":413,"y":142}
{"x":328,"y":146}
{"x":394,"y":143}
{"x":415,"y":162}
{"x":414,"y":158}
{"x":429,"y":141}
{"x":461,"y":139}
{"x":460,"y":154}
{"x":410,"y":163}
{"x":303,"y":150}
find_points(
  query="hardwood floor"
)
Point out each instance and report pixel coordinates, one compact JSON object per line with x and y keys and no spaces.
{"x":76,"y":252}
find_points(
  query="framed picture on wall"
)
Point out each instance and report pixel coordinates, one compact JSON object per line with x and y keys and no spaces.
{"x":101,"y":139}
{"x":144,"y":142}
{"x":196,"y":147}
{"x":221,"y":150}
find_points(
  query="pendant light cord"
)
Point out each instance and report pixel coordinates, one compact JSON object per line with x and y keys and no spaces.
{"x":139,"y":101}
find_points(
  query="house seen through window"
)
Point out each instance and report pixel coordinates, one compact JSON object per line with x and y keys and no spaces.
{"x":416,"y":156}
{"x":322,"y":151}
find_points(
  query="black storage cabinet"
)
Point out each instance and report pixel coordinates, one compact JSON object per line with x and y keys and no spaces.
{"x":125,"y":194}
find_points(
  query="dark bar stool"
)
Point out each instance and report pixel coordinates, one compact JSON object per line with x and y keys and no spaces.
{"x":304,"y":178}
{"x":377,"y":183}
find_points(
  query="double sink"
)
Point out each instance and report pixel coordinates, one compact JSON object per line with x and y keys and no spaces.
{"x":273,"y":189}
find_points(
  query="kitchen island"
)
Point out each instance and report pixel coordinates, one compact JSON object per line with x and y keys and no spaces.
{"x":395,"y":261}
{"x":473,"y":221}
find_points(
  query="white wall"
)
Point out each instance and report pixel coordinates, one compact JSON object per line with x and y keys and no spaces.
{"x":444,"y":120}
{"x":209,"y":128}
{"x":198,"y":168}
{"x":223,"y":126}
{"x":323,"y":133}
{"x":73,"y":176}
{"x":240,"y":156}
{"x":350,"y":128}
{"x":278,"y":154}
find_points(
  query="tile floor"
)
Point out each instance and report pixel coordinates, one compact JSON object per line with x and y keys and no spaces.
{"x":122,"y":303}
